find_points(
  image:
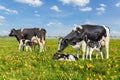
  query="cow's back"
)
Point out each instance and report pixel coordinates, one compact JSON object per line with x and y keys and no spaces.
{"x":94,"y":32}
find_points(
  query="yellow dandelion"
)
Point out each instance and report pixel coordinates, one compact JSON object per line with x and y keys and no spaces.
{"x":81,"y":67}
{"x":88,"y":78}
{"x":109,"y":65}
{"x":89,"y":66}
{"x":75,"y":64}
{"x":43,"y":72}
{"x":59,"y":55}
{"x":100,"y":77}
{"x":112,"y":77}
{"x":116,"y":65}
{"x":70,"y":79}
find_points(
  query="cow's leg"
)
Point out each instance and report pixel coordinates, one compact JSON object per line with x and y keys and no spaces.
{"x":44,"y":47}
{"x":97,"y":55}
{"x":83,"y":49}
{"x":87,"y":53}
{"x":78,"y":52}
{"x":26,"y":48}
{"x":20,"y":45}
{"x":29,"y":47}
{"x":40,"y":45}
{"x":101,"y":54}
{"x":91,"y":50}
{"x":107,"y":39}
{"x":107,"y":49}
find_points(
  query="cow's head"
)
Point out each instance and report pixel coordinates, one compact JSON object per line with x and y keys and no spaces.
{"x":56,"y":56}
{"x":71,"y":39}
{"x":62,"y":44}
{"x":12,"y":33}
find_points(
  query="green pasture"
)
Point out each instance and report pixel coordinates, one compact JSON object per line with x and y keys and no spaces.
{"x":21,"y":65}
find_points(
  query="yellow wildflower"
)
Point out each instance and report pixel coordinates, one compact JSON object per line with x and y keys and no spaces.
{"x":81,"y":67}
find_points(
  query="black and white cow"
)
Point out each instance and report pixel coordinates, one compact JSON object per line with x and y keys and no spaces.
{"x":67,"y":57}
{"x":35,"y":35}
{"x":77,"y":37}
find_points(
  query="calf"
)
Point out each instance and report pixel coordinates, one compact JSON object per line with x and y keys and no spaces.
{"x":93,"y":45}
{"x":26,"y":43}
{"x":66,"y":57}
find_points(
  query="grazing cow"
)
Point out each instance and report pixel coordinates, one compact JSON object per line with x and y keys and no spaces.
{"x":77,"y":37}
{"x":32,"y":34}
{"x":67,"y":57}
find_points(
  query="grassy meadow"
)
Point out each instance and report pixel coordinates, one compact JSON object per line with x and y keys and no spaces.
{"x":21,"y":65}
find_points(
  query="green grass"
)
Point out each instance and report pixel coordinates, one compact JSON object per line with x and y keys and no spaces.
{"x":15,"y":65}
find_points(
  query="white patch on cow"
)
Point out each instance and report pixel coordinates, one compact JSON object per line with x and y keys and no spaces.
{"x":80,"y":27}
{"x":39,"y":29}
{"x":34,"y":39}
{"x":22,"y":29}
{"x":75,"y":28}
{"x":72,"y":58}
{"x":61,"y":59}
{"x":21,"y":45}
{"x":77,"y":46}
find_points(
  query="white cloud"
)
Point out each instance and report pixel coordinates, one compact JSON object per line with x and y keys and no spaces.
{"x":101,"y":9}
{"x":2,"y":17}
{"x":78,"y":3}
{"x":86,"y":9}
{"x":52,"y":24}
{"x":102,"y":5}
{"x":34,"y":3}
{"x":55,"y":8}
{"x":37,"y":15}
{"x":8,"y":10}
{"x":117,"y":4}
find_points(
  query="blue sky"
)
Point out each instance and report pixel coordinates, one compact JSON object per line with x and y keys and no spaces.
{"x":58,"y":17}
